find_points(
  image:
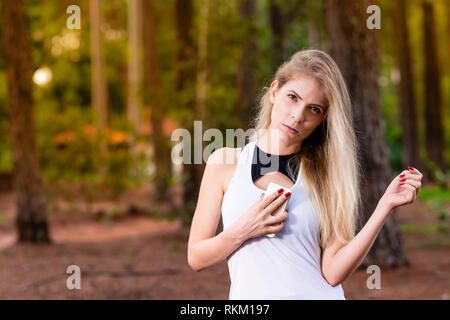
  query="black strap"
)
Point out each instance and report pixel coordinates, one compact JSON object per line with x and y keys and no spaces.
{"x":263,"y":163}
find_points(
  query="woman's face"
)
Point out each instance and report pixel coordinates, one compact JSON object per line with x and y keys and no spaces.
{"x":300,"y":104}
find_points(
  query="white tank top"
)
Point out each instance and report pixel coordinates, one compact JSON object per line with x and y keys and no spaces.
{"x":286,"y":266}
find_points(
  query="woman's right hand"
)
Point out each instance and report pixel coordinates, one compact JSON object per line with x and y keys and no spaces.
{"x":258,"y":220}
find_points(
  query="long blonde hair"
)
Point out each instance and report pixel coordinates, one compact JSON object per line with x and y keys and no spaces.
{"x":329,"y":155}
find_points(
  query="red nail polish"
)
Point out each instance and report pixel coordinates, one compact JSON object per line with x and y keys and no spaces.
{"x":280,"y":190}
{"x":410,"y":168}
{"x":402,"y":175}
{"x":401,"y":184}
{"x":404,"y":179}
{"x":287,"y":194}
{"x":262,"y":196}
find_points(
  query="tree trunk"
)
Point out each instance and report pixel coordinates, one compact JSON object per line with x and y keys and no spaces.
{"x":447,"y":18}
{"x":433,"y":115}
{"x":135,"y":63}
{"x":278,"y":30}
{"x":355,"y":49}
{"x":246,"y":75}
{"x":31,"y":221}
{"x":185,"y":87}
{"x":408,"y":113}
{"x":202,"y":83}
{"x":161,"y":144}
{"x":99,"y":96}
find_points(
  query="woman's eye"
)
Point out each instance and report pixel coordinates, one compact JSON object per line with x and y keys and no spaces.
{"x":291,"y":95}
{"x":316,"y":110}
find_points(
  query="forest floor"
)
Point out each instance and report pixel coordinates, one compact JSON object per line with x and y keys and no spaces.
{"x":140,"y":256}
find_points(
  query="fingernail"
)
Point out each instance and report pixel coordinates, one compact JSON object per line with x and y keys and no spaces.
{"x":401,"y":184}
{"x":402,"y":175}
{"x":280,"y":191}
{"x":262,"y":196}
{"x":287,"y":194}
{"x":410,"y":168}
{"x":404,"y":179}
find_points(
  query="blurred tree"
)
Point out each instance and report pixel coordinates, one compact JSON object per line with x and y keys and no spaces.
{"x":447,"y":18}
{"x":408,"y":114}
{"x":246,"y":77}
{"x":202,"y":83}
{"x":447,"y":90}
{"x":152,"y":64}
{"x":355,"y":49}
{"x":134,"y":63}
{"x":31,"y":221}
{"x":99,"y":95}
{"x":185,"y":68}
{"x":434,"y":133}
{"x":278,"y":26}
{"x":283,"y":14}
{"x":202,"y":73}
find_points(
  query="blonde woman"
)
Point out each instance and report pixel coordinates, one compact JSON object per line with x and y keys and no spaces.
{"x":304,"y":123}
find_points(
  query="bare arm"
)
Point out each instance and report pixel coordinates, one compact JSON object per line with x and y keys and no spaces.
{"x":206,"y":249}
{"x":339,"y":261}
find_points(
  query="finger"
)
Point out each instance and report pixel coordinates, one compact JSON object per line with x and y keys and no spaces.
{"x":404,"y":176}
{"x":414,"y":170}
{"x":416,"y":184}
{"x":277,"y":219}
{"x":274,"y":229}
{"x":407,"y":174}
{"x":268,"y":198}
{"x":275,"y":204}
{"x":412,"y":195}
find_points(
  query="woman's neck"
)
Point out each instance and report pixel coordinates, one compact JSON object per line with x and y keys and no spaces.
{"x":272,"y":144}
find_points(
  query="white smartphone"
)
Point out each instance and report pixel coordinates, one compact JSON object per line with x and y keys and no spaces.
{"x":271,"y":188}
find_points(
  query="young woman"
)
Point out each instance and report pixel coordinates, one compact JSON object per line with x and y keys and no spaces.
{"x":305,"y":126}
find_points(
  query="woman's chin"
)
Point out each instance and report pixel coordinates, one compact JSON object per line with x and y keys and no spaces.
{"x":286,"y":137}
{"x":289,"y":138}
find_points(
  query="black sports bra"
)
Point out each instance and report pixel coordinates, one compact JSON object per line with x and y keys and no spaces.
{"x":263,"y":163}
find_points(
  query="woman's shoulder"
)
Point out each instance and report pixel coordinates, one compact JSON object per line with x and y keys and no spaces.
{"x":225,"y":161}
{"x":225,"y":156}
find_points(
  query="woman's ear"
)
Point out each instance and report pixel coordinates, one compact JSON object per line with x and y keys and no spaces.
{"x":273,"y":91}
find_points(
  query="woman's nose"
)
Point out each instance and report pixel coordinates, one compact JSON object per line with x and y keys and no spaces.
{"x":298,"y":113}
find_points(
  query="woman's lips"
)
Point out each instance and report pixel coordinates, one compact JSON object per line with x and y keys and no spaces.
{"x":292,"y":130}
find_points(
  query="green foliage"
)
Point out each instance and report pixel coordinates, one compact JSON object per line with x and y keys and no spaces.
{"x":439,"y":176}
{"x":438,"y":200}
{"x":437,"y":243}
{"x":438,"y":205}
{"x":434,"y":192}
{"x":75,"y":159}
{"x":119,"y":164}
{"x":6,"y":163}
{"x":422,"y":229}
{"x":75,"y":154}
{"x":6,"y":160}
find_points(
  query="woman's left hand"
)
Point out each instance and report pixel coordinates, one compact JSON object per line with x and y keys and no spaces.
{"x":403,"y":189}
